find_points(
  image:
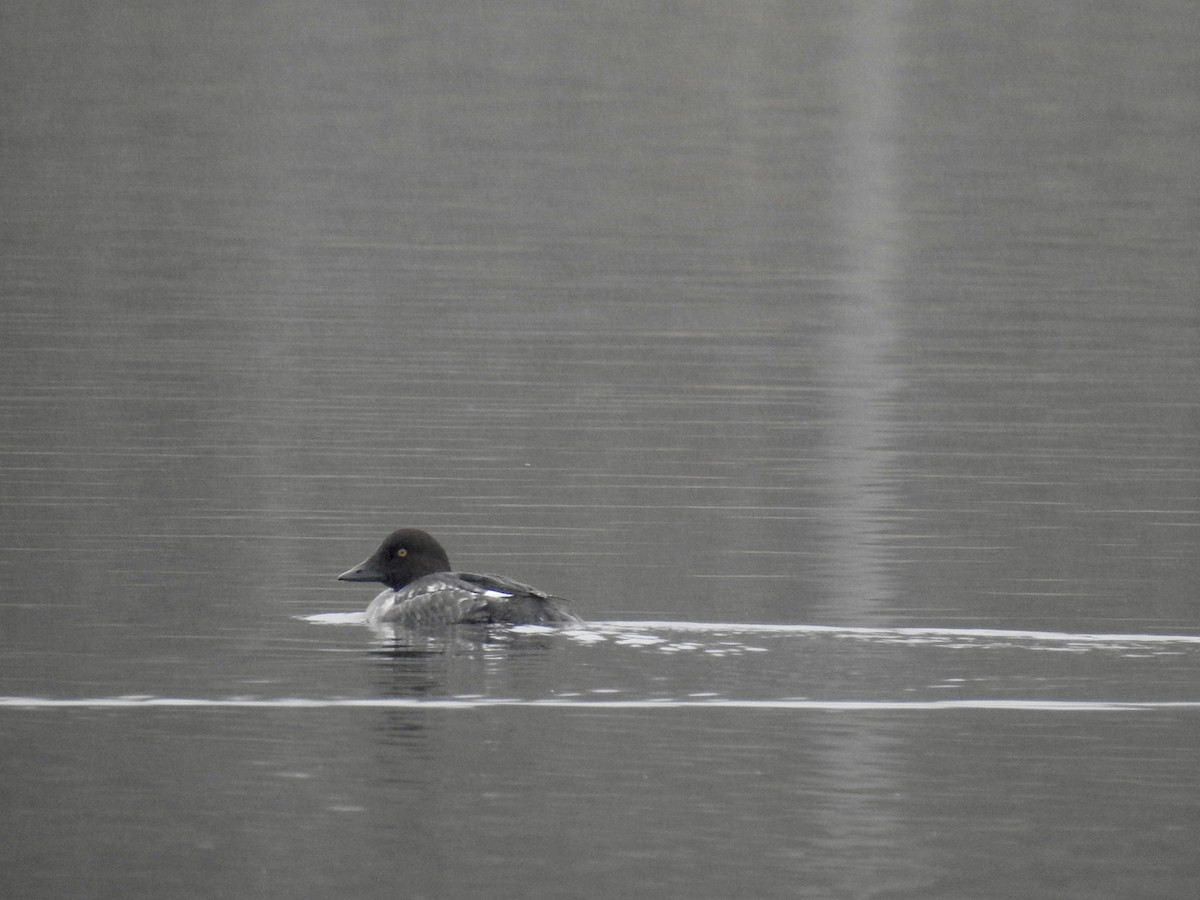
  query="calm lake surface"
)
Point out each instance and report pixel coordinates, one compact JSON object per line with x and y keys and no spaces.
{"x":840,"y":361}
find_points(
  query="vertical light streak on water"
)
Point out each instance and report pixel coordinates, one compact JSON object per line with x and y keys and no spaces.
{"x":863,"y":378}
{"x":862,"y":373}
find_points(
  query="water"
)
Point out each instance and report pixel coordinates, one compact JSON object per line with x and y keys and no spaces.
{"x":839,"y":362}
{"x":674,"y":757}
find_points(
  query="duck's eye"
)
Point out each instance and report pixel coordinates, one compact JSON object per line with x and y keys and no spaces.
{"x":401,"y":553}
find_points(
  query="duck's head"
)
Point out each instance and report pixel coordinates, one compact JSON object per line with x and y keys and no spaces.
{"x":405,"y":555}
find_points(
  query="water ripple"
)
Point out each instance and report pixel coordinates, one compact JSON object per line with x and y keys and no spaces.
{"x":470,"y":703}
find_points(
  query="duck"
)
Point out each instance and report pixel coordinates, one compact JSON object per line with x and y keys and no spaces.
{"x":421,"y":590}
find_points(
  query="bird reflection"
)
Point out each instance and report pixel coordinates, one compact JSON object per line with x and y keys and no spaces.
{"x":462,"y":661}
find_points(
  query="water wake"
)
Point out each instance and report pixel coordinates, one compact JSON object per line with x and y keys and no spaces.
{"x":906,"y":634}
{"x":913,"y":633}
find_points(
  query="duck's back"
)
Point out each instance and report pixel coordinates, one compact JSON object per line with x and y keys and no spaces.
{"x":450,"y":598}
{"x":514,"y":603}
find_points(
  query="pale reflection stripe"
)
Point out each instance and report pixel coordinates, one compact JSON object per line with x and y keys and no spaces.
{"x":559,"y":703}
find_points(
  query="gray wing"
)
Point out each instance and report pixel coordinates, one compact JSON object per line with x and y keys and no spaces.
{"x":501,"y":585}
{"x":520,"y":604}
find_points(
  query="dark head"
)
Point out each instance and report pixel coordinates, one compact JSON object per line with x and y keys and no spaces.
{"x":405,"y":555}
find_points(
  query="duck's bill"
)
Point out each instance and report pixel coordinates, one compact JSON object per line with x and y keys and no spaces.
{"x":364,"y":571}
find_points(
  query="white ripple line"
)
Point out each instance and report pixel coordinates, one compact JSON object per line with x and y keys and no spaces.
{"x":904,"y":632}
{"x":480,"y":703}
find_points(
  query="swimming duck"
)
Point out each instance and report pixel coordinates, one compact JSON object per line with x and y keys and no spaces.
{"x":421,"y":589}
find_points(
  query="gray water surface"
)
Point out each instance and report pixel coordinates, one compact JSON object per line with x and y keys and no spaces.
{"x":840,"y":362}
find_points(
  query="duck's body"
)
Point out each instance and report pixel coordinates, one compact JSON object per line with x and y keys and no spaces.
{"x":451,"y":597}
{"x":423,"y":592}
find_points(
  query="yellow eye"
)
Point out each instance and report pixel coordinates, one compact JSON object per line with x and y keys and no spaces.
{"x":402,"y":552}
